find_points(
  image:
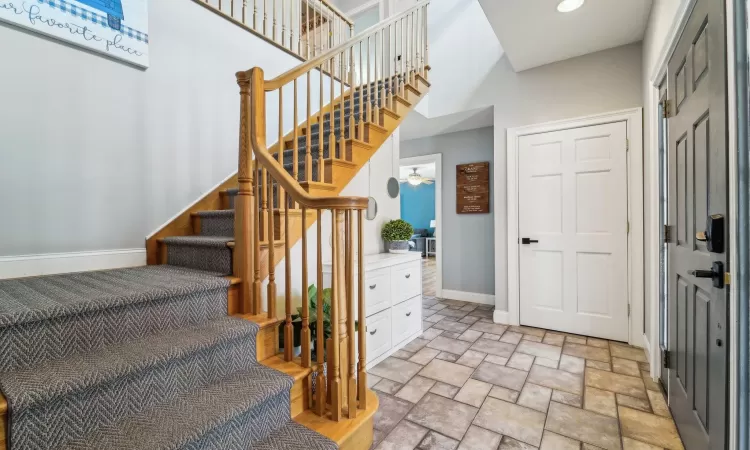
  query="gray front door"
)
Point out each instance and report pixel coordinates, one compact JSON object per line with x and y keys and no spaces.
{"x":698,"y":183}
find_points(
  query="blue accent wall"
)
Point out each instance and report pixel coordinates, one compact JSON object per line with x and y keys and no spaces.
{"x":418,"y":204}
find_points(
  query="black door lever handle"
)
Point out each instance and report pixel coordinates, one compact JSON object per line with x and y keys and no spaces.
{"x":716,"y":274}
{"x":527,"y":241}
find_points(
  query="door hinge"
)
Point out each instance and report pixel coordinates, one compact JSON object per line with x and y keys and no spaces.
{"x":727,"y":278}
{"x":665,"y":109}
{"x":667,"y":234}
{"x":627,"y":144}
{"x":628,"y":310}
{"x":628,"y":227}
{"x":665,"y":359}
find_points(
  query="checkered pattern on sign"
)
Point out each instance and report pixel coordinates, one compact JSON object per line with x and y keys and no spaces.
{"x":77,"y":11}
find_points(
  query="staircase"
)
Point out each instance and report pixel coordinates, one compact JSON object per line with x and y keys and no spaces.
{"x":185,"y":352}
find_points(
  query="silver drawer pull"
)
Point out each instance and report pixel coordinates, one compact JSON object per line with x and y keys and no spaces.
{"x":408,"y":314}
{"x":373,"y":331}
{"x":408,"y":275}
{"x":372,"y":286}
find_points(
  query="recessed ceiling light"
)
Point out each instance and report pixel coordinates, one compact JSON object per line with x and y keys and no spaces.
{"x":569,"y":5}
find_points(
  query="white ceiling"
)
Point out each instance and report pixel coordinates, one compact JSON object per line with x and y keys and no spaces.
{"x":426,"y":170}
{"x":533,"y":33}
{"x":418,"y":126}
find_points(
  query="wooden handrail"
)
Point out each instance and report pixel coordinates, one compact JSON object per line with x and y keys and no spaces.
{"x":338,"y":12}
{"x":296,"y":72}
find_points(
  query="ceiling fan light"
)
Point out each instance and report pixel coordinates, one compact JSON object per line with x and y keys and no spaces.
{"x":569,"y":5}
{"x":414,"y":179}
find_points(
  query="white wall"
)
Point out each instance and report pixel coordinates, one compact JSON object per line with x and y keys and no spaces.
{"x":660,"y":22}
{"x":95,"y":154}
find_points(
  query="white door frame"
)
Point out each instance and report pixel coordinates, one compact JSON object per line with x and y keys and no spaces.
{"x":634,"y":122}
{"x":437,"y":159}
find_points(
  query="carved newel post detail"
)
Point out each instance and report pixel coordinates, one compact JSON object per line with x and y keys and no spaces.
{"x":244,"y":224}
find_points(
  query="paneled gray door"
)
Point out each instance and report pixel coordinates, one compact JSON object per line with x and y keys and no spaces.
{"x":698,"y":184}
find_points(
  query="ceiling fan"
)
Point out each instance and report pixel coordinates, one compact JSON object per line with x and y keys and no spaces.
{"x":415,"y":179}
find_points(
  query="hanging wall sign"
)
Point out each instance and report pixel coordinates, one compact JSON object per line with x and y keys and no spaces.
{"x":118,"y":28}
{"x":473,"y":188}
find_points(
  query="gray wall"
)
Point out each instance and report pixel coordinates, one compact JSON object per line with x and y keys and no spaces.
{"x":96,"y":154}
{"x":468,"y":239}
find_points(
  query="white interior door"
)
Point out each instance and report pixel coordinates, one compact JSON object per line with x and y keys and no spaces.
{"x":573,"y":201}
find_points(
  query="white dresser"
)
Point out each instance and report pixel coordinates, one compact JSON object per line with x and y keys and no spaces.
{"x":393,"y":301}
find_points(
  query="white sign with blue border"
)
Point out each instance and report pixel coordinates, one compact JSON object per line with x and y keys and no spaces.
{"x":118,"y":28}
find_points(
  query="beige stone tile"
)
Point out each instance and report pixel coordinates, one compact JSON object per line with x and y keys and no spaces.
{"x":651,"y":385}
{"x":436,"y":441}
{"x":556,"y":379}
{"x":511,"y":337}
{"x":494,"y":359}
{"x":538,"y":332}
{"x":508,"y":419}
{"x":586,"y":352}
{"x":554,"y":339}
{"x":473,"y":393}
{"x":567,"y":398}
{"x":469,"y":307}
{"x":632,"y":402}
{"x":493,"y":328}
{"x":491,"y":337}
{"x":415,"y":345}
{"x":572,"y":364}
{"x":615,"y":382}
{"x":553,"y":441}
{"x":377,"y":437}
{"x":431,"y":334}
{"x":470,"y":335}
{"x":447,"y":372}
{"x":586,"y":446}
{"x":520,"y":361}
{"x":396,"y":369}
{"x":450,"y":357}
{"x":445,"y":416}
{"x":502,"y":393}
{"x":426,"y":312}
{"x":469,"y":320}
{"x":454,"y":327}
{"x":445,"y":344}
{"x":658,"y":404}
{"x":402,"y":354}
{"x":388,"y":386}
{"x":438,"y":307}
{"x":538,"y":349}
{"x":625,"y":367}
{"x":532,"y":338}
{"x":579,"y":340}
{"x":435,"y":318}
{"x":480,"y":439}
{"x":649,"y":428}
{"x":471,"y":358}
{"x":390,"y":412}
{"x":535,"y":397}
{"x":415,"y":389}
{"x":630,"y":444}
{"x":598,"y":365}
{"x":405,"y":435}
{"x":450,"y":335}
{"x":500,"y":376}
{"x":509,"y":443}
{"x":494,"y":347}
{"x":600,"y":401}
{"x":424,"y":356}
{"x":593,"y":342}
{"x":372,"y":380}
{"x":454,"y":314}
{"x":582,"y":425}
{"x":627,"y":352}
{"x":546,"y":362}
{"x":446,"y":390}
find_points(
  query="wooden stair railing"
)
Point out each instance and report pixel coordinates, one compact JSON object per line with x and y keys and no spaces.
{"x":366,"y":76}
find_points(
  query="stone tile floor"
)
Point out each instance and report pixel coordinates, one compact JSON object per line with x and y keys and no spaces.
{"x":468,"y":383}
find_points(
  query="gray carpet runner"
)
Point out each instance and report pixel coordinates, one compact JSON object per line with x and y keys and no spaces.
{"x":139,"y":358}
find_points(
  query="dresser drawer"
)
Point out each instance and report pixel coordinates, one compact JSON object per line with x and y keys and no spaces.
{"x":407,"y":319}
{"x":377,"y":290}
{"x":406,"y":281}
{"x":378,"y":334}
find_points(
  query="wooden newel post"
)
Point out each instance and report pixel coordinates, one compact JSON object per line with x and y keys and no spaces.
{"x":243,"y":263}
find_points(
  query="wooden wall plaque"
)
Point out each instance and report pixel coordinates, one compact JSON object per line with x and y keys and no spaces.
{"x":473,"y":188}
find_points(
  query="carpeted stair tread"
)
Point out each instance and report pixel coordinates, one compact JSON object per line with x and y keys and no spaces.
{"x":32,"y":299}
{"x":216,"y":213}
{"x":217,"y":223}
{"x":202,"y":252}
{"x":199,"y":241}
{"x":294,"y":436}
{"x":57,"y":378}
{"x":185,"y":421}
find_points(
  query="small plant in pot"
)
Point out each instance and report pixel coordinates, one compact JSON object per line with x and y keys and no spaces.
{"x":396,"y":234}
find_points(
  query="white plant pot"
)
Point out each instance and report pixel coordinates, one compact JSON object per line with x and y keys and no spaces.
{"x":398,"y":247}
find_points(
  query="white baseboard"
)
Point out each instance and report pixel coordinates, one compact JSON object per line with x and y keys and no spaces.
{"x":501,"y":317}
{"x":55,"y":263}
{"x":473,"y":297}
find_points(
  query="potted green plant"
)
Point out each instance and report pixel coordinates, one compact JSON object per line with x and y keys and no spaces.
{"x":396,"y":234}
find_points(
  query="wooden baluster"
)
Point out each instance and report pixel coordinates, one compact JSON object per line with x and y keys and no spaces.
{"x":280,"y":153}
{"x":307,"y":29}
{"x":231,"y":8}
{"x":360,"y":127}
{"x":377,"y":83}
{"x":316,"y":27}
{"x":305,"y":315}
{"x":321,"y":130}
{"x":265,"y":17}
{"x":334,"y":362}
{"x":255,"y":15}
{"x":275,"y":24}
{"x":244,"y":12}
{"x":331,"y":133}
{"x":415,"y":46}
{"x":244,"y":203}
{"x":288,"y":328}
{"x":308,"y":139}
{"x":351,"y":344}
{"x":295,"y":145}
{"x":426,"y":44}
{"x":258,"y":219}
{"x":362,"y":329}
{"x":391,"y":65}
{"x":383,"y":75}
{"x":370,"y":92}
{"x":219,"y":5}
{"x":320,"y":341}
{"x":264,"y":207}
{"x":342,"y":116}
{"x":271,"y":289}
{"x":402,"y":84}
{"x":291,"y":25}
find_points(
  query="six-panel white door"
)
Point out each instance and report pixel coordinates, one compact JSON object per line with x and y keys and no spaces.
{"x":573,"y":200}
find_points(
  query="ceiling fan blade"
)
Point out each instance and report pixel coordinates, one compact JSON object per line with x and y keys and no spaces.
{"x":427,"y":182}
